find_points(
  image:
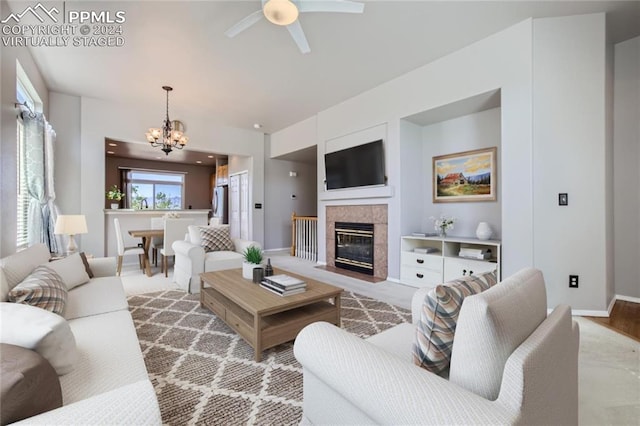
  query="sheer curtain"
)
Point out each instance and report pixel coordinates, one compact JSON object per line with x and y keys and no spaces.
{"x":42,"y":214}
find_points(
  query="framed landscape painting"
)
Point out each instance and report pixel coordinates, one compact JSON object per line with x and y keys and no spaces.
{"x":465,"y":176}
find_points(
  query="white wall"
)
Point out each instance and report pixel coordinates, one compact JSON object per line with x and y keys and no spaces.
{"x":627,"y":168}
{"x":412,"y":178}
{"x":100,"y":119}
{"x":297,"y":136}
{"x":278,"y":204}
{"x":569,"y":144}
{"x":8,"y":114}
{"x":474,"y":131}
{"x":502,"y":61}
{"x":554,"y":139}
{"x":65,"y":119}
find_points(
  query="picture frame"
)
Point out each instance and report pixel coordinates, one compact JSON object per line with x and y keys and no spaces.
{"x":465,"y":176}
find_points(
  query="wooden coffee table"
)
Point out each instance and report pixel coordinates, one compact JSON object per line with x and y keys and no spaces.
{"x":262,"y":318}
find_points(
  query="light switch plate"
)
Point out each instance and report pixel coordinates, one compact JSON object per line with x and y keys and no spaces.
{"x":563,"y":199}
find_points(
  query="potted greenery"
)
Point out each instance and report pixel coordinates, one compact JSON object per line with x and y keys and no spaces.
{"x":115,"y":194}
{"x":252,"y":259}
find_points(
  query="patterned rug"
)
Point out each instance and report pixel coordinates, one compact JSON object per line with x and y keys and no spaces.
{"x":204,"y":373}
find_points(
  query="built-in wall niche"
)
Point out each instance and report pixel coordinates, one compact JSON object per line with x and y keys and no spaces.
{"x":466,"y":125}
{"x":369,"y":178}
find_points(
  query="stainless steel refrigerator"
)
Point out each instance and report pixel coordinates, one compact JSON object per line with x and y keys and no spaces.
{"x":220,"y":203}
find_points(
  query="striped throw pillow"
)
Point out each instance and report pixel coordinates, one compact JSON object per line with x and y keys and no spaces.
{"x":216,"y":238}
{"x":436,"y":328}
{"x":43,"y":288}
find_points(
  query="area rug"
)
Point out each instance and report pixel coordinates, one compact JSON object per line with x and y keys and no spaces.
{"x":204,"y":373}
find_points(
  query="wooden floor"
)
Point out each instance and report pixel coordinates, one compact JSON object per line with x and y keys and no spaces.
{"x":625,"y":319}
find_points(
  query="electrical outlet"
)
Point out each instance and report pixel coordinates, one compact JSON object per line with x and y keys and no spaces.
{"x":573,"y":281}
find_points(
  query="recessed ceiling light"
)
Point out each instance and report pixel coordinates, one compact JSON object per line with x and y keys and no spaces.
{"x":113,"y":144}
{"x":209,"y":156}
{"x":158,"y":158}
{"x":199,"y":162}
{"x":257,"y":126}
{"x":110,"y":152}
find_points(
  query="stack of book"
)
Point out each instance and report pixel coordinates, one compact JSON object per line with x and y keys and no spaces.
{"x":283,"y":285}
{"x":475,"y":253}
{"x":425,"y":250}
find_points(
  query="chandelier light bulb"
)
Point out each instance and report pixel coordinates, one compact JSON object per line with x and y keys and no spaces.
{"x":280,"y":12}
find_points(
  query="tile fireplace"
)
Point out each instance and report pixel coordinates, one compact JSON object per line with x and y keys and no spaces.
{"x":369,"y":215}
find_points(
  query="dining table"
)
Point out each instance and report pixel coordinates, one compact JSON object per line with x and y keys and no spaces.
{"x":146,"y":235}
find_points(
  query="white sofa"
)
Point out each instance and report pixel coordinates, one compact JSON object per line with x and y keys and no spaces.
{"x":191,"y":259}
{"x":108,"y":383}
{"x":503,"y":340}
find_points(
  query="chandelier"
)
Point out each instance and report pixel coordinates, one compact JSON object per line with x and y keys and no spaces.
{"x":172,"y":135}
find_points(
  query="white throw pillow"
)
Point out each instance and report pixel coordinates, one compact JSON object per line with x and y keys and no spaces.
{"x":17,"y":266}
{"x":4,"y":287}
{"x":71,"y":269}
{"x":42,"y":331}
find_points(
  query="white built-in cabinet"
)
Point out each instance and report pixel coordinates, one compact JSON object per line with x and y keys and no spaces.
{"x":239,"y":205}
{"x":443,"y":264}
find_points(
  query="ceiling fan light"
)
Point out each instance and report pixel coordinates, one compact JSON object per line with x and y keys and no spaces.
{"x":280,"y":12}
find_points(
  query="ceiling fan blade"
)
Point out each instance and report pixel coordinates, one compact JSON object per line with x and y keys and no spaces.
{"x":244,"y":24}
{"x":343,"y":6}
{"x":296,"y":32}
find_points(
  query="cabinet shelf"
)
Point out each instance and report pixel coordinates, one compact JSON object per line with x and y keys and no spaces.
{"x":444,"y":264}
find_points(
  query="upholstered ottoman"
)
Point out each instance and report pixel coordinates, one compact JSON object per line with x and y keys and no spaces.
{"x":29,"y":384}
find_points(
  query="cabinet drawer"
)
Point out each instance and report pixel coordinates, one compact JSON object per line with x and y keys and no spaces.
{"x":213,"y":305}
{"x":419,"y":277}
{"x":455,"y":268}
{"x":422,"y":260}
{"x":242,"y":328}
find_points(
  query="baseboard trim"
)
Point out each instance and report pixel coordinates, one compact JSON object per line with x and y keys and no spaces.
{"x":288,"y":249}
{"x":394,"y":280}
{"x":587,"y":313}
{"x":628,"y":298}
{"x":320,"y":263}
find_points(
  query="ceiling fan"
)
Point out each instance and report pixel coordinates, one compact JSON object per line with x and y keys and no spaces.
{"x":285,"y":13}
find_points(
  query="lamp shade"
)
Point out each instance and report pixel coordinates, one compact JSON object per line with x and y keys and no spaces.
{"x":71,"y":224}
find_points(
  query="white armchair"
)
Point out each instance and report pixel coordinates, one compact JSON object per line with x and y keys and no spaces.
{"x":348,"y":380}
{"x":191,"y":260}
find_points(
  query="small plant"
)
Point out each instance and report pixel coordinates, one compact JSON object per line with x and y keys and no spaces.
{"x":253,"y":254}
{"x":114,"y":193}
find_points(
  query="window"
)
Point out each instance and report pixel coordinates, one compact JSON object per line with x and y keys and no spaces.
{"x":23,"y":193}
{"x":147,"y":189}
{"x":22,"y":237}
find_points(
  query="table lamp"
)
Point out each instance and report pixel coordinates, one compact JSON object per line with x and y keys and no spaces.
{"x":71,"y":225}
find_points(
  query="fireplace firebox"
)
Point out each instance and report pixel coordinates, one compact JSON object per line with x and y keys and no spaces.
{"x":354,"y":246}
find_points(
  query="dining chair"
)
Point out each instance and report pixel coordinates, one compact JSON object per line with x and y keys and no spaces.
{"x":156,"y":242}
{"x":174,"y":230}
{"x":123,"y":251}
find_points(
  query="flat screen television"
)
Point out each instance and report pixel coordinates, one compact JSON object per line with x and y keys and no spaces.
{"x":361,"y":165}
